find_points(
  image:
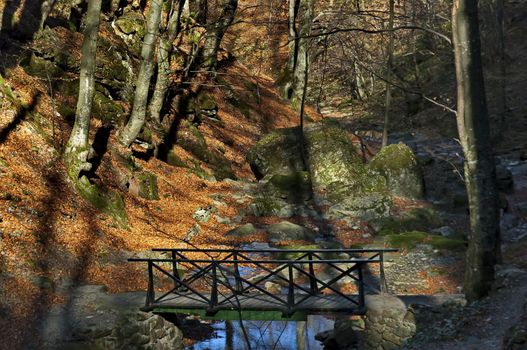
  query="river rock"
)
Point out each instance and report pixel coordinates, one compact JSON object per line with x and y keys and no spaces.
{"x":287,"y":231}
{"x":242,"y":231}
{"x":399,"y":166}
{"x":388,"y":322}
{"x":92,"y":319}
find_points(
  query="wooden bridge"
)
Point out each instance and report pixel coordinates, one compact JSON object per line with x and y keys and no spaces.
{"x":214,"y":282}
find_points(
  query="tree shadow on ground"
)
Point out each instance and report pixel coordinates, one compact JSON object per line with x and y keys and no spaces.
{"x":22,"y":113}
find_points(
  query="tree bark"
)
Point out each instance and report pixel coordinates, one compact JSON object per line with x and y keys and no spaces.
{"x":474,"y":134}
{"x":138,"y":116}
{"x":301,"y":69}
{"x":388,"y":101}
{"x":215,"y":33}
{"x":77,"y":148}
{"x":163,"y":67}
{"x":293,"y":38}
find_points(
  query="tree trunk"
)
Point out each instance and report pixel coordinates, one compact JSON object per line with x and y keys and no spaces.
{"x":302,"y":62}
{"x":473,"y":126}
{"x":138,"y":116}
{"x":77,"y":148}
{"x":388,"y":101}
{"x":293,"y":38}
{"x":163,"y":68}
{"x":215,"y":33}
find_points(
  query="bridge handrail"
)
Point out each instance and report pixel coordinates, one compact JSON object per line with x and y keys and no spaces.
{"x":209,"y":268}
{"x":277,"y":250}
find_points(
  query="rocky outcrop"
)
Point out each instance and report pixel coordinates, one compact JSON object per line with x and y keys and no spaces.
{"x":93,"y":319}
{"x":388,"y":322}
{"x":286,"y":230}
{"x":277,"y":153}
{"x":398,"y":165}
{"x":333,"y":173}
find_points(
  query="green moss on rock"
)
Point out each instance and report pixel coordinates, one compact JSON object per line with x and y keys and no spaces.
{"x":108,"y":202}
{"x":144,"y":185}
{"x":417,"y":219}
{"x":398,"y":164}
{"x":294,"y":186}
{"x":407,"y":240}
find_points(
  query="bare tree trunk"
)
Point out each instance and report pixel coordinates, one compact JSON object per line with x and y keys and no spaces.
{"x":473,"y":126}
{"x":293,"y":49}
{"x":388,"y":101}
{"x":77,"y":148}
{"x":302,"y":61}
{"x":164,"y":53}
{"x":215,"y":33}
{"x":138,"y":116}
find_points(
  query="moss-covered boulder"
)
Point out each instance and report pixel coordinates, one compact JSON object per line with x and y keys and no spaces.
{"x":242,"y":231}
{"x":399,"y":166}
{"x":287,"y":231}
{"x":409,"y":240}
{"x":144,"y":185}
{"x":417,"y":219}
{"x":367,"y":206}
{"x":277,"y":153}
{"x":335,"y":171}
{"x":130,"y":26}
{"x":268,"y":205}
{"x":108,"y":202}
{"x":201,"y":105}
{"x":295,"y":187}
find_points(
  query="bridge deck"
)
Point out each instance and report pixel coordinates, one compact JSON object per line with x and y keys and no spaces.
{"x":262,"y":302}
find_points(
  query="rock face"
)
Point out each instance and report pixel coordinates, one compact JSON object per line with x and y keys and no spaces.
{"x":286,"y":230}
{"x":388,"y":322}
{"x":335,"y":172}
{"x":277,"y":153}
{"x":96,"y":320}
{"x":398,"y":165}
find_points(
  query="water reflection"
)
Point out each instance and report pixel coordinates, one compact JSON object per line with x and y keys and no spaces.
{"x":263,"y":335}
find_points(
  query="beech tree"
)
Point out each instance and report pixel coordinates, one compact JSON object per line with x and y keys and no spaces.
{"x":138,"y":115}
{"x":77,"y":148}
{"x":474,"y":134}
{"x":300,"y":11}
{"x":163,"y":65}
{"x":215,"y":33}
{"x":389,"y":63}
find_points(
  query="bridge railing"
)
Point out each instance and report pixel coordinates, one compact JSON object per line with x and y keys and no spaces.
{"x":216,"y":279}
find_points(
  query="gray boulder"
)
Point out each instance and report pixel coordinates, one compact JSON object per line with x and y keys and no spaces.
{"x":242,"y":231}
{"x":287,"y":231}
{"x":399,"y":166}
{"x":277,"y":153}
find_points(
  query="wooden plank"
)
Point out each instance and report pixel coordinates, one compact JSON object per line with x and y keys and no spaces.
{"x":261,"y":302}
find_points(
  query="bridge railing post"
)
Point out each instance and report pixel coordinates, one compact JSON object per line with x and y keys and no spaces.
{"x":382,"y":277}
{"x":214,"y":289}
{"x":175,"y":271}
{"x":150,"y":293}
{"x":312,"y":281}
{"x":291,"y":290}
{"x":237,"y":281}
{"x":361,"y":286}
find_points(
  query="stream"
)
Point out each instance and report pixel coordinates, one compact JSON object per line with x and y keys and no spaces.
{"x":262,"y":335}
